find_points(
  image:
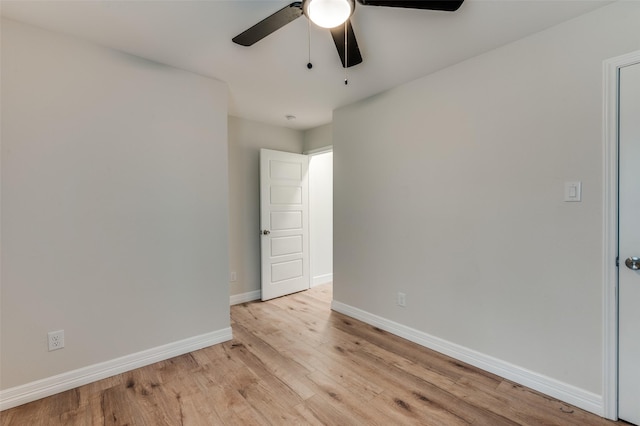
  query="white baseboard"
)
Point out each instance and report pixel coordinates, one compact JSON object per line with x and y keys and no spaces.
{"x":568,"y":393}
{"x":22,"y":394}
{"x":236,"y":299}
{"x":321,"y":279}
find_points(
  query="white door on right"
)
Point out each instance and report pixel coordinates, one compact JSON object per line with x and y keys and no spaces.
{"x":629,"y":250}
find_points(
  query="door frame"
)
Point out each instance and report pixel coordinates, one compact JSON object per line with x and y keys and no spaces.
{"x":312,"y":153}
{"x":611,"y":79}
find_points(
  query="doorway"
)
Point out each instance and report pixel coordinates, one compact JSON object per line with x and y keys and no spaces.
{"x":296,"y":216}
{"x":617,"y":393}
{"x":321,"y":216}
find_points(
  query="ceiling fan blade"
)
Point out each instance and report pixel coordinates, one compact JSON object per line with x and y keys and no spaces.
{"x":353,"y":51}
{"x":269,"y":25}
{"x":446,"y":5}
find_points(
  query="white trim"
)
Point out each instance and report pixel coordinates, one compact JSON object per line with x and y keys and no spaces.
{"x":22,"y":394}
{"x":611,"y":72}
{"x":562,"y":391}
{"x":321,"y":279}
{"x":236,"y":299}
{"x":318,"y":151}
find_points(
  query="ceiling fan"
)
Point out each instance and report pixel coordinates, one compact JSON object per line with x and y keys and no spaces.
{"x":334,"y":15}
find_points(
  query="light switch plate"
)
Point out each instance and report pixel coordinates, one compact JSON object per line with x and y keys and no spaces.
{"x":573,"y":191}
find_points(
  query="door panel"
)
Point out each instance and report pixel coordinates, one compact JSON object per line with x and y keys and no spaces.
{"x":285,"y":220}
{"x":284,"y":213}
{"x":286,"y":195}
{"x":286,"y":245}
{"x":290,"y":170}
{"x":286,"y":270}
{"x":629,"y":217}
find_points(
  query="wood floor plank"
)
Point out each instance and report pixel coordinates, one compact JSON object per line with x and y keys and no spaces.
{"x":555,"y":412}
{"x":276,"y":410}
{"x":433,"y":360}
{"x":264,"y":372}
{"x":286,"y":369}
{"x":274,"y":318}
{"x":293,"y":361}
{"x":346,"y":400}
{"x":347,"y":377}
{"x":411,"y":393}
{"x":307,"y":416}
{"x":327,"y":413}
{"x":196,"y":410}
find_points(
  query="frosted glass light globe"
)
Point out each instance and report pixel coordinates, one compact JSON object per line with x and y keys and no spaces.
{"x":328,"y":13}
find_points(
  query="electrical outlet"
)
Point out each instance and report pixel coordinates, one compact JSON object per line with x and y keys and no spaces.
{"x":56,"y":340}
{"x":402,"y":299}
{"x":233,"y":276}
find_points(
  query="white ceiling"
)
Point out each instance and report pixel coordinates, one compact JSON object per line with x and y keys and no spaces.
{"x":270,"y":79}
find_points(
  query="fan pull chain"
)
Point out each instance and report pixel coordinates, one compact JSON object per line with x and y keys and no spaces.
{"x":309,"y":64}
{"x":346,"y":57}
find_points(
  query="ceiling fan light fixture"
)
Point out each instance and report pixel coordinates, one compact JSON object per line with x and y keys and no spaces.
{"x":328,"y":13}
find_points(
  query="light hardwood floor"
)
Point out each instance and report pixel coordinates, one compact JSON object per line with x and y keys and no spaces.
{"x":294,"y":361}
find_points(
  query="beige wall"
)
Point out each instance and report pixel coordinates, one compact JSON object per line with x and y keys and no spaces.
{"x":450,"y":189}
{"x":318,"y":137}
{"x":114,"y":204}
{"x":246,"y":138}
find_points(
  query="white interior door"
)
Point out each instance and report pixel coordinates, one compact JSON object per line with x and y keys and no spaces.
{"x":284,"y":219}
{"x":629,"y":251}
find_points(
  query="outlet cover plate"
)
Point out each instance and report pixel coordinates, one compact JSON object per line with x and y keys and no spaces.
{"x":56,"y":340}
{"x":402,"y":299}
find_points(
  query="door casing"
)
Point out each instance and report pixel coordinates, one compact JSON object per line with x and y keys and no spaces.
{"x":611,"y":73}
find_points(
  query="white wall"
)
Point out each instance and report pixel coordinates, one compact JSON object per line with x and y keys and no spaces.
{"x":246,"y":138}
{"x":321,"y":217}
{"x":450,"y":189}
{"x":114,"y":204}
